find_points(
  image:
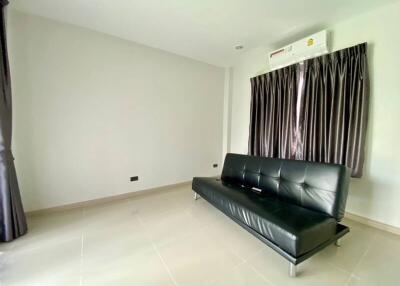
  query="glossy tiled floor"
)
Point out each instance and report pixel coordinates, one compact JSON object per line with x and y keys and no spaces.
{"x":169,"y":239}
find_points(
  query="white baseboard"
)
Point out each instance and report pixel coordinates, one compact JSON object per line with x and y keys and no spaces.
{"x":104,"y":200}
{"x":351,"y":216}
{"x":373,"y":223}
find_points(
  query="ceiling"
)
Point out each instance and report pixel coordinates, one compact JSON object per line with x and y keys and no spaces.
{"x":206,"y":30}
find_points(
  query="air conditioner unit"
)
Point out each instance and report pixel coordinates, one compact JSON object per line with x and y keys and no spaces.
{"x":309,"y":47}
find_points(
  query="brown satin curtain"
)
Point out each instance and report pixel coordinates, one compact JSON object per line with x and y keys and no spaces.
{"x":12,"y":216}
{"x":331,"y":110}
{"x":273,"y":114}
{"x":334,"y":110}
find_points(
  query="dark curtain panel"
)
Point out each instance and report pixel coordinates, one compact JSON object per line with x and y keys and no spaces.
{"x":273,"y":114}
{"x":334,"y":108}
{"x":12,"y":216}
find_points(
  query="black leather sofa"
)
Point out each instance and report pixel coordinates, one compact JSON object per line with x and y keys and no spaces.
{"x":292,"y":206}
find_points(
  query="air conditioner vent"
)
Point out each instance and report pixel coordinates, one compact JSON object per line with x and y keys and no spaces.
{"x":309,"y":47}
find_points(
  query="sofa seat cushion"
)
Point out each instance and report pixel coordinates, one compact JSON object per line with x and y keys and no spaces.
{"x":292,"y":228}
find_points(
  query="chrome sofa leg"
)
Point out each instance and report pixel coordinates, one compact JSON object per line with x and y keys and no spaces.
{"x":196,"y":196}
{"x":338,"y":242}
{"x":292,"y":270}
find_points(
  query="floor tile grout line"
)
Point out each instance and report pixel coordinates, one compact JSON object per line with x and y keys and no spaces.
{"x":141,"y":223}
{"x":349,"y":274}
{"x":139,"y":219}
{"x":260,"y":274}
{"x":231,"y":268}
{"x":83,"y":216}
{"x":165,"y":265}
{"x":338,"y":268}
{"x":231,"y":251}
{"x":81,"y":262}
{"x":235,"y":253}
{"x":200,"y":228}
{"x":350,"y":277}
{"x":352,"y":274}
{"x":365,"y":252}
{"x":247,"y":260}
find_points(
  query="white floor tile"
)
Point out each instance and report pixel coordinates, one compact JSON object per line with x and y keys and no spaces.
{"x":198,"y":259}
{"x":168,"y":238}
{"x":48,"y":264}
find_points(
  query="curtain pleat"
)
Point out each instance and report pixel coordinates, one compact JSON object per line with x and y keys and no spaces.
{"x":336,"y":103}
{"x":12,"y":216}
{"x":273,"y":121}
{"x":331,"y":110}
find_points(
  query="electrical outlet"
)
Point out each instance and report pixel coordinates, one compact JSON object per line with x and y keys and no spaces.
{"x":136,"y":178}
{"x":215,"y":165}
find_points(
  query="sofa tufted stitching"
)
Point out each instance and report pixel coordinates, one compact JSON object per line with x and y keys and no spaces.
{"x":269,"y":175}
{"x":302,"y":186}
{"x":259,"y":176}
{"x":289,"y":181}
{"x":319,"y":189}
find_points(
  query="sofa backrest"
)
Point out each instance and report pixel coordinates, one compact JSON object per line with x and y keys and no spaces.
{"x":316,"y":186}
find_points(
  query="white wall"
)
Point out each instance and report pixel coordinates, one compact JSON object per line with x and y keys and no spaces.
{"x":91,"y":110}
{"x":377,"y":194}
{"x":249,"y":65}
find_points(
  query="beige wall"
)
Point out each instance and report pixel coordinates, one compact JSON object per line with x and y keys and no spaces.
{"x":91,"y":110}
{"x":377,"y":194}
